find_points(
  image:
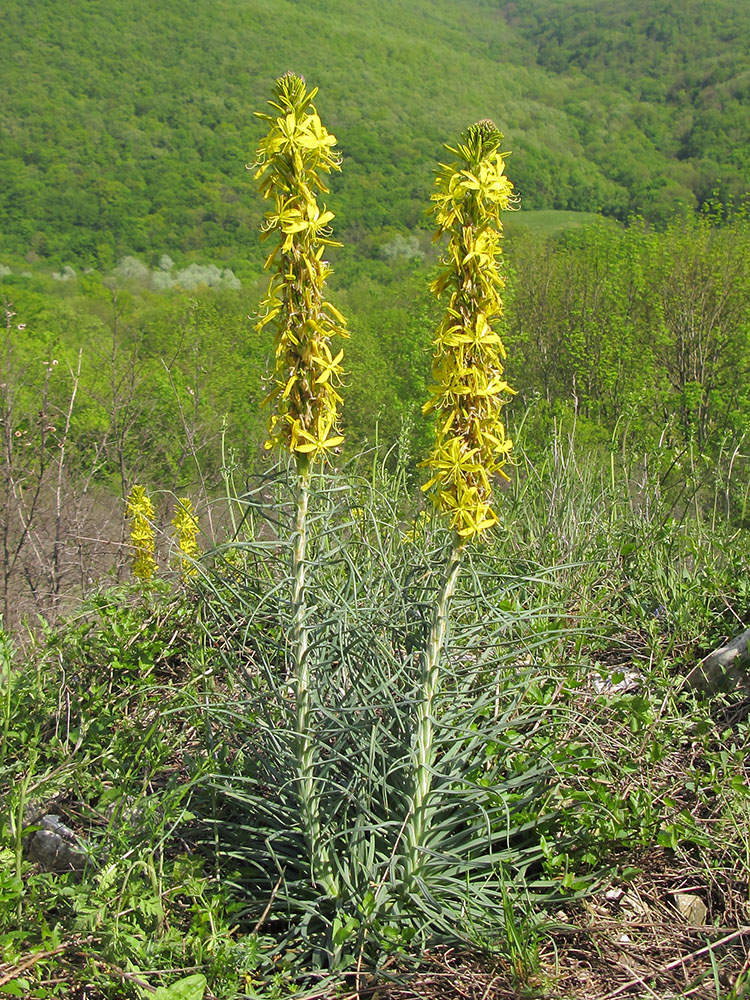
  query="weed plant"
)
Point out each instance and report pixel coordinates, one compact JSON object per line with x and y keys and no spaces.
{"x":101,"y":724}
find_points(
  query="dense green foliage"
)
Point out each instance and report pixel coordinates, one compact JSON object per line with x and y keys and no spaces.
{"x":126,"y":128}
{"x":628,"y":326}
{"x":641,"y":337}
{"x":658,"y":94}
{"x":167,"y":748}
{"x":639,"y":330}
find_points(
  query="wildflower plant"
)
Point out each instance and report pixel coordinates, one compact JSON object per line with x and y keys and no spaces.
{"x":372,"y":801}
{"x":140,"y":512}
{"x":291,"y":162}
{"x":467,"y":397}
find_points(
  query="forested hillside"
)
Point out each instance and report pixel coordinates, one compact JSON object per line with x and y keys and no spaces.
{"x":680,"y":83}
{"x":125,"y":127}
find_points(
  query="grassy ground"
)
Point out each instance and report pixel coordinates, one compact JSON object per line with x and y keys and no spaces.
{"x":137,"y":721}
{"x":549,"y":222}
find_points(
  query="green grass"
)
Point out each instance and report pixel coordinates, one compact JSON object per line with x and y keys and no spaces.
{"x":548,"y":222}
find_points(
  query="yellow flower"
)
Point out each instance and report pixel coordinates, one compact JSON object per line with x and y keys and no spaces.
{"x":319,"y":441}
{"x":453,"y":463}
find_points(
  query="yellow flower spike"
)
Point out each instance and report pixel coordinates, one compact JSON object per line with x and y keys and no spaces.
{"x":469,"y":389}
{"x":140,"y":512}
{"x":467,"y":398}
{"x":186,"y":525}
{"x":290,"y":163}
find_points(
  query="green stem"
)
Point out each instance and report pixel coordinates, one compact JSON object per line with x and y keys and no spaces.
{"x":17,"y":821}
{"x":6,"y":678}
{"x":226,"y":475}
{"x":424,"y":751}
{"x":305,"y":744}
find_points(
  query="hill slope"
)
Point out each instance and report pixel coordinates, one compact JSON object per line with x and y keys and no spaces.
{"x":126,"y":127}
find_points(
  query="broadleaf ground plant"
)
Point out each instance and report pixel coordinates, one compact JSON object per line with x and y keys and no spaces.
{"x":362,"y":820}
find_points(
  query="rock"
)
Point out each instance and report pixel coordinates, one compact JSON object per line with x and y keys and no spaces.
{"x":692,"y":908}
{"x":631,"y":902}
{"x":56,"y":848}
{"x":725,"y":667}
{"x":628,"y":680}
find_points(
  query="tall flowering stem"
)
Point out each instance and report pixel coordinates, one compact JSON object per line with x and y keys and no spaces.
{"x":290,"y":166}
{"x":467,"y":397}
{"x":140,"y":512}
{"x":469,"y":389}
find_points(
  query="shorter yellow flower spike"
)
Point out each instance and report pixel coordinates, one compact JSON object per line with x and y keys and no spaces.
{"x":469,"y":390}
{"x":186,"y":525}
{"x":140,"y":512}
